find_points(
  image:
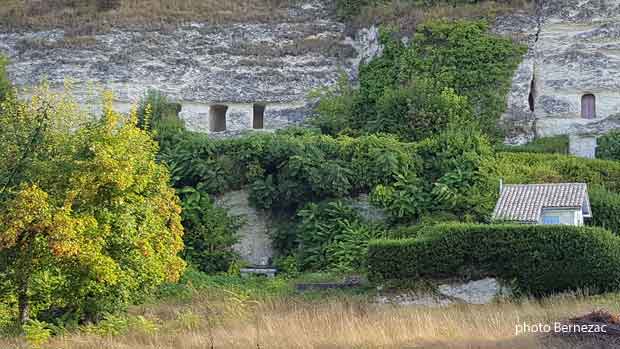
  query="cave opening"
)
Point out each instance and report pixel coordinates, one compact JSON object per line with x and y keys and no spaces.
{"x":532,"y":97}
{"x":217,"y":118}
{"x":258,"y":118}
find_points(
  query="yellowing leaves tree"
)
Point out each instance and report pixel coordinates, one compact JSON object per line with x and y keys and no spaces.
{"x":88,"y":221}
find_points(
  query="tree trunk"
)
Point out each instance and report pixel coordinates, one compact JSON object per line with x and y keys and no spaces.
{"x":24,"y":305}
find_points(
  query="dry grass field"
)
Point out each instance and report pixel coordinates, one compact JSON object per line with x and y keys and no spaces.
{"x":85,"y":17}
{"x":338,"y":322}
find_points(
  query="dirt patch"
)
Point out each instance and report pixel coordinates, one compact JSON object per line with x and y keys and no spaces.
{"x":598,"y":329}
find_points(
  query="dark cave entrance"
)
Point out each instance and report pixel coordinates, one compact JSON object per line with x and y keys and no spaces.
{"x":532,"y":97}
{"x":217,"y":118}
{"x":258,"y":118}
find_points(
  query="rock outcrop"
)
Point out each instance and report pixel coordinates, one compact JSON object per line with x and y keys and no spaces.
{"x":483,"y":291}
{"x":569,"y":81}
{"x":259,"y":74}
{"x":254,"y":244}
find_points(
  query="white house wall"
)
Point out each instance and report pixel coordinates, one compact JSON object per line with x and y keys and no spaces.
{"x":567,"y":217}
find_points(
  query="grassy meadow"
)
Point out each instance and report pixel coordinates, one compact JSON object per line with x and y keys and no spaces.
{"x":228,"y":312}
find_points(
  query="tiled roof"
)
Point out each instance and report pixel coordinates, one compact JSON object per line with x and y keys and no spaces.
{"x":525,"y":202}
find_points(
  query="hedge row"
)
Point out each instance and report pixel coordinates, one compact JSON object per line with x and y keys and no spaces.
{"x":554,"y":168}
{"x":538,"y":259}
{"x":605,"y":208}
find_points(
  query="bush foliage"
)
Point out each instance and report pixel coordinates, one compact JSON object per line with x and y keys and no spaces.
{"x":210,"y":232}
{"x":605,"y":208}
{"x":450,"y":70}
{"x":332,"y":236}
{"x":608,"y":146}
{"x":5,"y":85}
{"x":554,"y":145}
{"x":286,"y":170}
{"x":554,"y":168}
{"x":538,"y":259}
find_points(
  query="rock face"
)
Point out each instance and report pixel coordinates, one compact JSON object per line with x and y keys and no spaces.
{"x":483,"y":291}
{"x":569,"y":81}
{"x":226,"y":77}
{"x":254,"y":244}
{"x":474,"y":292}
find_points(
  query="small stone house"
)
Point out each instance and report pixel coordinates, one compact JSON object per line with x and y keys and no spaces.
{"x":558,"y":203}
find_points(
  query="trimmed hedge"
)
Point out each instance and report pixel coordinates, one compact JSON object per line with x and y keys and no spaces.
{"x":538,"y":259}
{"x":556,"y":168}
{"x":605,"y":208}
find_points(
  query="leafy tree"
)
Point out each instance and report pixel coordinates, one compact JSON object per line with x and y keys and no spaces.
{"x":87,"y":207}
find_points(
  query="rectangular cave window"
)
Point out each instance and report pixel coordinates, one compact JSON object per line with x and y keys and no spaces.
{"x":217,"y":118}
{"x":258,"y":116}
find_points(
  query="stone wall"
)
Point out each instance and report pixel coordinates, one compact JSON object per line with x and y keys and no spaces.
{"x":198,"y":65}
{"x":574,"y":50}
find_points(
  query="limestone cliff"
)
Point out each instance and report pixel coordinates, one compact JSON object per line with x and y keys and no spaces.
{"x":226,"y":77}
{"x":569,"y":81}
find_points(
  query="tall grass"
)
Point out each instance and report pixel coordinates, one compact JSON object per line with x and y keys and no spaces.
{"x":339,"y":323}
{"x":85,"y":17}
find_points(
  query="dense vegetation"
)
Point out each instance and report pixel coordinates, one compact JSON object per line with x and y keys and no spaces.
{"x":538,"y":259}
{"x":608,"y":146}
{"x":450,"y":72}
{"x":553,"y":145}
{"x":91,"y":219}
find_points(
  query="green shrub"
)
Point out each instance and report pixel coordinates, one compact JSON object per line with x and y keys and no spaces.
{"x":333,"y":237}
{"x":286,"y":170}
{"x":5,"y":85}
{"x":451,"y":70}
{"x":538,"y":259}
{"x":554,"y":168}
{"x":464,"y":56}
{"x":557,"y":145}
{"x":418,"y":110}
{"x":37,"y":333}
{"x":455,"y":178}
{"x":608,"y":146}
{"x":156,"y":113}
{"x":605,"y":208}
{"x":349,"y":8}
{"x":210,"y":232}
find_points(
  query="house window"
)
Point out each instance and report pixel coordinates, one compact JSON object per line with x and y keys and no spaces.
{"x":588,"y":106}
{"x":550,"y":220}
{"x":217,"y":118}
{"x":259,"y":116}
